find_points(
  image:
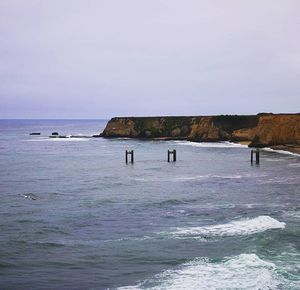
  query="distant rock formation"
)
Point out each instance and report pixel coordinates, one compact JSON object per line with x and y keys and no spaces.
{"x":272,"y":130}
{"x":260,"y":130}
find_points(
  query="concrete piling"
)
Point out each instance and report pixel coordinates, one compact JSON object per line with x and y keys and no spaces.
{"x":172,"y":152}
{"x":131,"y":153}
{"x":257,"y":155}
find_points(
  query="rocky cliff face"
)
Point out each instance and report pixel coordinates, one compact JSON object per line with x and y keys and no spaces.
{"x":272,"y":130}
{"x":219,"y":128}
{"x":261,"y":130}
{"x":149,"y":127}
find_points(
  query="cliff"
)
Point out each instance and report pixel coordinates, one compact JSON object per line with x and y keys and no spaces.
{"x":272,"y":130}
{"x":260,"y":130}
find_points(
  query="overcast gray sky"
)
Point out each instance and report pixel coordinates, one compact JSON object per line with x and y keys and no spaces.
{"x":98,"y":59}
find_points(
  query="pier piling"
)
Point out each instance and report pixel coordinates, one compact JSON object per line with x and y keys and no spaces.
{"x":131,"y":153}
{"x":257,"y":155}
{"x":173,"y":152}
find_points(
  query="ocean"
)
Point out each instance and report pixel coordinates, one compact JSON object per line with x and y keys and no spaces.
{"x":73,"y":215}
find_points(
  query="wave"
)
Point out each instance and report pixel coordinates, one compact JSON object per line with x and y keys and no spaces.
{"x":281,"y":180}
{"x":169,"y":202}
{"x":292,"y":213}
{"x":68,"y":139}
{"x":280,"y":151}
{"x":294,"y":165}
{"x":197,"y":177}
{"x":187,"y":178}
{"x":246,"y":271}
{"x":240,"y":227}
{"x":29,"y":195}
{"x":211,"y":144}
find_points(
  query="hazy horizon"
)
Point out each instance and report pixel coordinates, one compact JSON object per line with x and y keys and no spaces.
{"x":98,"y":59}
{"x":137,"y":116}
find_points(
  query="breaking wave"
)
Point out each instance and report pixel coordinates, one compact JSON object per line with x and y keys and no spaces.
{"x":281,"y":152}
{"x":240,"y":227}
{"x":211,"y":144}
{"x":197,"y":177}
{"x":29,"y":196}
{"x":67,"y":139}
{"x":246,"y":271}
{"x":188,"y":178}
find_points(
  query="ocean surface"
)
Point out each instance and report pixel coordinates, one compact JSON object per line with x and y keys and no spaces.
{"x":73,"y":215}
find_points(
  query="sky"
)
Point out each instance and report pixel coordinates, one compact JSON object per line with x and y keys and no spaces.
{"x":99,"y":59}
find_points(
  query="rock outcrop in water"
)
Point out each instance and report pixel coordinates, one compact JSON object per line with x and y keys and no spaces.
{"x":260,"y":130}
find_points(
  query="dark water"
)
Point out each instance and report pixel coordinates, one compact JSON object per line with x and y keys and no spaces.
{"x":74,"y":216}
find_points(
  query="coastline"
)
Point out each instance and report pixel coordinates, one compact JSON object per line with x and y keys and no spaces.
{"x":283,"y":149}
{"x":279,"y":132}
{"x":280,"y":149}
{"x":292,"y":149}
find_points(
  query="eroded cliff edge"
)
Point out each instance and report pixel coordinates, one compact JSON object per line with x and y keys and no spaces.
{"x":262,"y":130}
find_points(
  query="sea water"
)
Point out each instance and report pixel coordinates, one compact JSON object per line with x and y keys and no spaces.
{"x":73,"y":215}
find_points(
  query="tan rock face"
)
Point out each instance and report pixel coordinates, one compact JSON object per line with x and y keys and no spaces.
{"x":243,"y":134}
{"x":159,"y":124}
{"x":120,"y":127}
{"x":276,"y":130}
{"x":260,"y":130}
{"x":176,"y":132}
{"x":204,"y":130}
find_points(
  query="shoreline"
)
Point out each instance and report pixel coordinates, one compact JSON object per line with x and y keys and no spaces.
{"x":281,"y":149}
{"x":292,"y":149}
{"x":260,"y":131}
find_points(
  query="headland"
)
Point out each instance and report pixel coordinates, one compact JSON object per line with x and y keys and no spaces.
{"x":278,"y":131}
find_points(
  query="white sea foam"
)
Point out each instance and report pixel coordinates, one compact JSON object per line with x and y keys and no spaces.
{"x":280,"y":151}
{"x":246,"y":271}
{"x":293,"y":214}
{"x":294,"y":165}
{"x":68,"y":139}
{"x":281,"y":180}
{"x":197,"y":177}
{"x":187,"y":178}
{"x":211,"y":144}
{"x":240,"y":227}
